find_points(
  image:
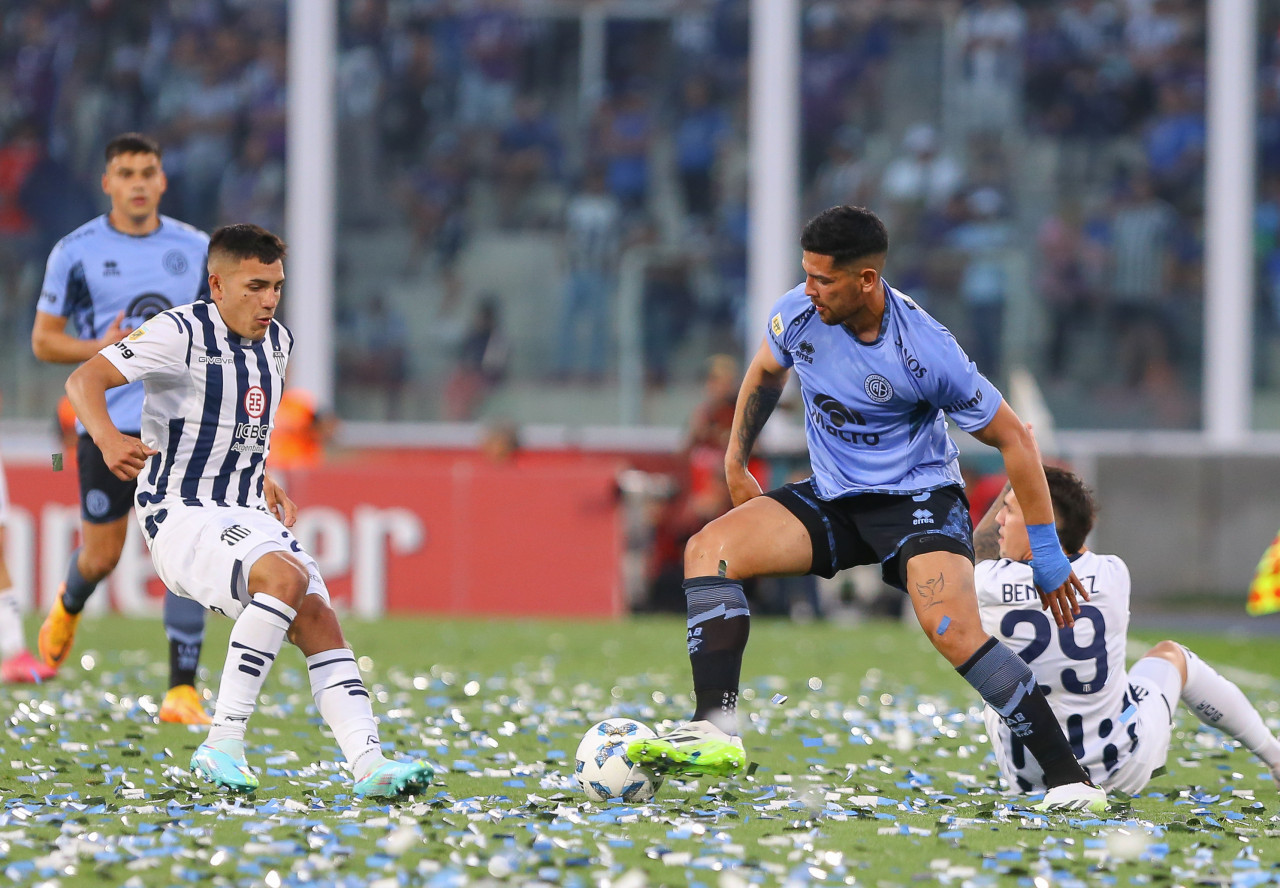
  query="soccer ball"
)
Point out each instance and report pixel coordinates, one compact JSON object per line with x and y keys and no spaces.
{"x":603,"y":769}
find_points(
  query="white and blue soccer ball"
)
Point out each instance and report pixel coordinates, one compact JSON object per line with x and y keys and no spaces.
{"x":603,"y":769}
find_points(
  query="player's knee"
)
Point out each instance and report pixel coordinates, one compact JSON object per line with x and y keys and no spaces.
{"x":280,"y":577}
{"x":956,"y":640}
{"x":1171,"y":651}
{"x":704,"y":550}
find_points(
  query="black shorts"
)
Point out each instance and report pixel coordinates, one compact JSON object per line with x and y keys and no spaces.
{"x":884,"y":528}
{"x":103,"y":497}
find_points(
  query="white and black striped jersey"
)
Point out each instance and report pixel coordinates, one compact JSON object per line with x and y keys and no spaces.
{"x":210,"y":402}
{"x":1081,"y":669}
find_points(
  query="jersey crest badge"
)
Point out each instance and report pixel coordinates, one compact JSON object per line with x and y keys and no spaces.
{"x":137,"y":334}
{"x":878,"y":388}
{"x":175,"y":262}
{"x":776,"y":325}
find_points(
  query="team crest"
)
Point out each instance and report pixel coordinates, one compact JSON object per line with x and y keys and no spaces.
{"x":776,"y":325}
{"x":255,"y":402}
{"x":878,"y":388}
{"x":174,"y":262}
{"x":279,"y":358}
{"x":137,"y":334}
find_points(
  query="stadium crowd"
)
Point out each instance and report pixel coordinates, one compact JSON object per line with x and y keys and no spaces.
{"x":1051,"y":148}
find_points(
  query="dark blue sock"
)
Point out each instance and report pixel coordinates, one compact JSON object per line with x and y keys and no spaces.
{"x":184,"y":625}
{"x":78,"y":588}
{"x":719,"y":624}
{"x":1009,"y":687}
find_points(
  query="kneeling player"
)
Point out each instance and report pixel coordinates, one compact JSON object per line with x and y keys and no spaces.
{"x":213,"y":375}
{"x":1119,"y":723}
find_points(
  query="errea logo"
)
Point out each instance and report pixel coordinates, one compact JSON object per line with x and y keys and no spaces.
{"x":922,"y":516}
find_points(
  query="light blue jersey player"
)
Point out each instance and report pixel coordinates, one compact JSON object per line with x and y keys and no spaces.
{"x":878,"y":377}
{"x":875,"y":411}
{"x":102,"y":281}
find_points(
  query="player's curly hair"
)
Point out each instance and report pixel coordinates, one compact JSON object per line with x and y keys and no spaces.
{"x":1074,"y":507}
{"x":846,"y":234}
{"x":246,"y":241}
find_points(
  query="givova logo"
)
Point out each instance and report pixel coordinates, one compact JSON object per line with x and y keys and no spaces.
{"x":832,"y":417}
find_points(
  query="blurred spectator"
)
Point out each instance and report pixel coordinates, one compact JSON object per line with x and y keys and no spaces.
{"x":668,"y":307}
{"x":624,"y":133}
{"x":702,"y":494}
{"x":1062,"y":279}
{"x":412,"y":98}
{"x":701,"y":130}
{"x":1174,"y":145}
{"x":252,"y":187}
{"x":990,"y":35}
{"x":843,"y":178}
{"x":982,"y":240}
{"x":528,"y":165}
{"x":301,"y":432}
{"x":1142,"y":233}
{"x":434,"y":196}
{"x":481,"y":363}
{"x":918,"y":179}
{"x":492,"y":49}
{"x":375,"y":351}
{"x":828,"y":73}
{"x":592,"y":240}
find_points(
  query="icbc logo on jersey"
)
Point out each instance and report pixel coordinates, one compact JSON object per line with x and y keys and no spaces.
{"x":255,"y":402}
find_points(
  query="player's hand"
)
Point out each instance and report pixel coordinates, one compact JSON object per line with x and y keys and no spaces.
{"x":126,"y":456}
{"x":1064,"y":602}
{"x":114,"y":332}
{"x":743,"y":485}
{"x":278,"y":502}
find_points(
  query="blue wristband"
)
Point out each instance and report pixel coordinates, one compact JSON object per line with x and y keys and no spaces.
{"x":1049,"y":564}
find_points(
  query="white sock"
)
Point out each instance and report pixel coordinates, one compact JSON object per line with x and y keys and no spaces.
{"x":343,"y":702}
{"x":1219,"y":703}
{"x":256,"y":638}
{"x":11,"y":641}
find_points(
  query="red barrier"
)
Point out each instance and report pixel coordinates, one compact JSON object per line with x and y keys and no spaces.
{"x":434,"y":531}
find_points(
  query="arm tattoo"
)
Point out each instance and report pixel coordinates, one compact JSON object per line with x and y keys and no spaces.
{"x":986,"y":536}
{"x":755,"y":413}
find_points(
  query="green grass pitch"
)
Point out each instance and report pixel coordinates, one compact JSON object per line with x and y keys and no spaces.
{"x":873,"y":771}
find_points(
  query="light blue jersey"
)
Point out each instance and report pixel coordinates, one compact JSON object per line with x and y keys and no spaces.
{"x":874,"y":411}
{"x":95,"y":272}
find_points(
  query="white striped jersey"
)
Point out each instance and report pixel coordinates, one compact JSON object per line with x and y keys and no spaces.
{"x":1081,"y":669}
{"x":209,"y":405}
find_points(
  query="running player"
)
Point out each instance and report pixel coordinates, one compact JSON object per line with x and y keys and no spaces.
{"x":878,"y":376}
{"x":1119,"y":723}
{"x":109,"y":276}
{"x":213,"y":376}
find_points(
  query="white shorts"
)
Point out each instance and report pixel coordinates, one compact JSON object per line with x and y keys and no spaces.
{"x":205,"y":553}
{"x":1153,"y":723}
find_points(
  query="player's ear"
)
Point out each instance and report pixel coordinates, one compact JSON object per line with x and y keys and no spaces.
{"x":164,"y":181}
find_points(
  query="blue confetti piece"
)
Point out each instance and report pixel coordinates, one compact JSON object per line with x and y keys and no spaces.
{"x":942,"y":627}
{"x":811,"y":741}
{"x":1128,"y":713}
